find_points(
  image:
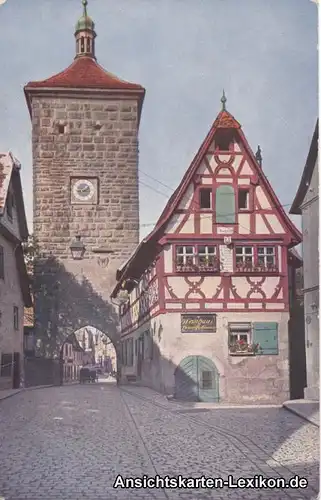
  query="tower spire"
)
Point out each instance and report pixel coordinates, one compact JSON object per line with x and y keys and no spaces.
{"x":85,"y":34}
{"x":223,"y":101}
{"x":85,"y":3}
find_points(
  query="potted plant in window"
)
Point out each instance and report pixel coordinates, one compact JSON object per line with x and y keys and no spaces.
{"x":208,"y":263}
{"x":243,"y":348}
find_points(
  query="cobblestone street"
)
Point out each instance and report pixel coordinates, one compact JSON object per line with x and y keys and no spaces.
{"x":72,"y":442}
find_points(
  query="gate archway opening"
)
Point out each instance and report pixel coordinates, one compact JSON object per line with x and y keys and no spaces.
{"x":197,"y":379}
{"x":87,"y":346}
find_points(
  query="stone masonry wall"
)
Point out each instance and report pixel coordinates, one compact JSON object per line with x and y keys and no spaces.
{"x":109,"y":153}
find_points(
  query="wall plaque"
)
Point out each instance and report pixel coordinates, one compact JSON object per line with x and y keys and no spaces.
{"x":198,"y":323}
{"x":225,"y":230}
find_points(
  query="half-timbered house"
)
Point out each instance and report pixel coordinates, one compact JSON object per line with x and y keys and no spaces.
{"x":207,"y":312}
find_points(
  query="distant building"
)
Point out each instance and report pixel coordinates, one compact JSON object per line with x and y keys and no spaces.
{"x":73,"y":359}
{"x":14,"y":283}
{"x":306,"y":203}
{"x":208,"y":308}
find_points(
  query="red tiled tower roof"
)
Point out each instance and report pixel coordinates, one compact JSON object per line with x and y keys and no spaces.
{"x":85,"y":72}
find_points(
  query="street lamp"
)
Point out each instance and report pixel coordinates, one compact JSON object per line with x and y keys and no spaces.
{"x":77,"y":249}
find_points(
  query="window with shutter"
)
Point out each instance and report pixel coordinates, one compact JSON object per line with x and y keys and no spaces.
{"x":225,"y":205}
{"x":266,"y":335}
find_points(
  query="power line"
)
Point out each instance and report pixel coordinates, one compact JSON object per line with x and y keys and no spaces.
{"x":194,"y":202}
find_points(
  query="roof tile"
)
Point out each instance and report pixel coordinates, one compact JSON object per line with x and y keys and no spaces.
{"x":85,"y":72}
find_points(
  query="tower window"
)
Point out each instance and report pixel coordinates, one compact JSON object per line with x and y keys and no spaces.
{"x":88,"y":45}
{"x":82,"y":44}
{"x":61,"y":129}
{"x":244,"y":198}
{"x":205,"y":198}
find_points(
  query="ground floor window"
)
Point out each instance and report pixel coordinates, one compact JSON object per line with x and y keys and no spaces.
{"x":240,"y":338}
{"x":207,"y":380}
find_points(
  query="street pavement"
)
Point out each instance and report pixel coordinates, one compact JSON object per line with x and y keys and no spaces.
{"x":72,"y":442}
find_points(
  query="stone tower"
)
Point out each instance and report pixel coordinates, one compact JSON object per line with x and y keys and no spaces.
{"x":85,"y":125}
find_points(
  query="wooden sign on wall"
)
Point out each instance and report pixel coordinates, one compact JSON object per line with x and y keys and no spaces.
{"x":198,"y":323}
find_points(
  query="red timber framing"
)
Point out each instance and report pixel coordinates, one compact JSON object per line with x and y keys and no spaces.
{"x":256,"y":223}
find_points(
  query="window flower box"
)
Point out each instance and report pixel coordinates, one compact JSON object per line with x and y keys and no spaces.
{"x":199,"y":267}
{"x":242,"y":348}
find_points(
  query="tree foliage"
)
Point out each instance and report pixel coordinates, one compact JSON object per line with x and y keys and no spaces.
{"x":30,"y":251}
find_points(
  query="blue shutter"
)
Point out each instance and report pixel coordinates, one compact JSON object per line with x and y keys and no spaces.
{"x":225,"y":205}
{"x":266,"y":335}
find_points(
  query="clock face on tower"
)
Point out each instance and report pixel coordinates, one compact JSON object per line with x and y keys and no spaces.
{"x":84,"y":191}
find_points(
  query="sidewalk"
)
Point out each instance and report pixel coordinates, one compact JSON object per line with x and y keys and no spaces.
{"x":8,"y":393}
{"x":308,"y":410}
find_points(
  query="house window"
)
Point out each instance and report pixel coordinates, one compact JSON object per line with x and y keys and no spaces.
{"x":185,"y":256}
{"x":206,"y":256}
{"x":257,"y":258}
{"x":244,"y":199}
{"x":6,"y":365}
{"x":207,"y":380}
{"x":197,"y":258}
{"x":239,"y":338}
{"x":266,"y":257}
{"x":131,"y":352}
{"x":61,"y":129}
{"x":225,"y":205}
{"x":244,"y":257}
{"x":205,"y":198}
{"x":1,"y":262}
{"x":16,"y":317}
{"x":142,"y":346}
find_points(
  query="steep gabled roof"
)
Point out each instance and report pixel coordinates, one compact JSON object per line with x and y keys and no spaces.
{"x":148,"y":248}
{"x":10,"y":173}
{"x":307,"y":172}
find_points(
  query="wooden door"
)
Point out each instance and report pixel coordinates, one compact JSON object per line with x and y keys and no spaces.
{"x":197,"y":379}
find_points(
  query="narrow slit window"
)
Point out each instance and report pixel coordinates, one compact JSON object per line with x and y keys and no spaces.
{"x":205,"y":198}
{"x":244,"y":199}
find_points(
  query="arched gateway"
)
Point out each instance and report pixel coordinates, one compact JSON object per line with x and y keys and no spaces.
{"x":85,"y":182}
{"x":197,"y":379}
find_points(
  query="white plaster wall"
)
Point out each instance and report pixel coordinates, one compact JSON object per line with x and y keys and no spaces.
{"x":262,"y":199}
{"x":242,"y":379}
{"x":11,"y":340}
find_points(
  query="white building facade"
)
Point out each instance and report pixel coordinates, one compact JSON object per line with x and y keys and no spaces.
{"x":207,"y":313}
{"x":306,"y":203}
{"x":14,"y":283}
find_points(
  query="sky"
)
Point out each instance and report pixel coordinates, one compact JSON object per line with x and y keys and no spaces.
{"x":184,"y":52}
